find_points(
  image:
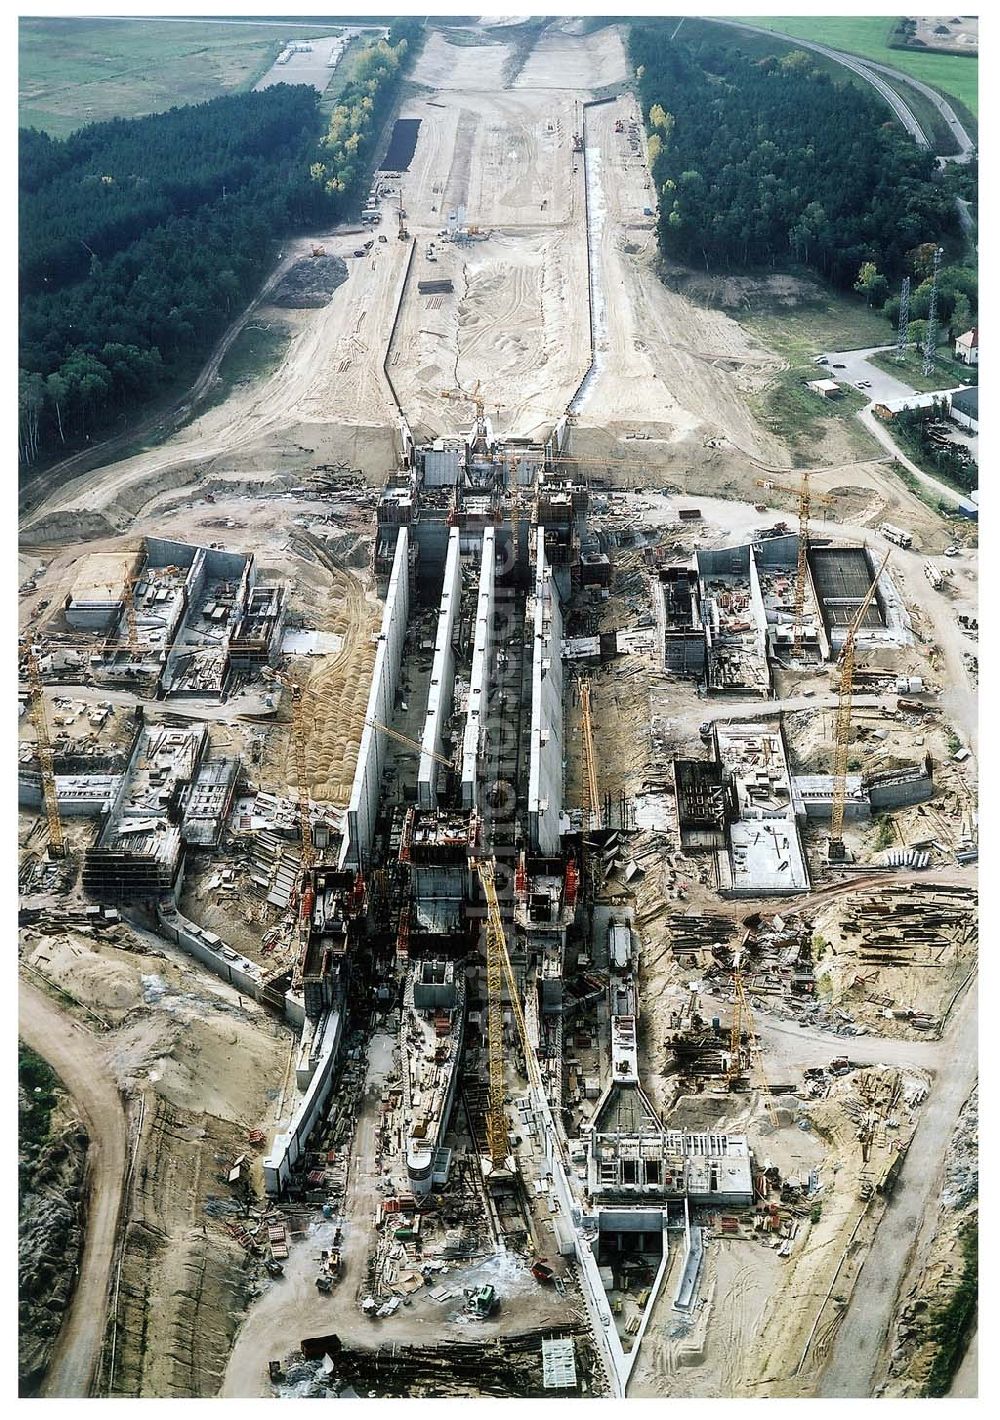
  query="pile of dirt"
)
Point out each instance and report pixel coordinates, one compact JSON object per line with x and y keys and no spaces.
{"x":725,"y":292}
{"x":49,"y":1232}
{"x":310,"y":282}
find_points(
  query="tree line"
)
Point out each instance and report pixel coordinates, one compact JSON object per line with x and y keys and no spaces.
{"x":141,"y":238}
{"x":764,"y":161}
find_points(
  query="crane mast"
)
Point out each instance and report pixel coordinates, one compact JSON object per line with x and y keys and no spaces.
{"x":806,"y":499}
{"x":496,"y":951}
{"x":842,"y":733}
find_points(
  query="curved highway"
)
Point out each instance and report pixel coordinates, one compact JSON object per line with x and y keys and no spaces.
{"x":870,"y":71}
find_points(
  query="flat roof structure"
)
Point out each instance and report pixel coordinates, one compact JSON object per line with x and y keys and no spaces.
{"x":100,"y":578}
{"x":765,"y":854}
{"x":842,"y":577}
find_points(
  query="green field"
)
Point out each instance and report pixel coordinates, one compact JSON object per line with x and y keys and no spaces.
{"x":796,"y":414}
{"x":946,"y":374}
{"x":831,"y":322}
{"x":74,"y":72}
{"x":866,"y":35}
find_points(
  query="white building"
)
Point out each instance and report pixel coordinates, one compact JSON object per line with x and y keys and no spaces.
{"x":967,"y":347}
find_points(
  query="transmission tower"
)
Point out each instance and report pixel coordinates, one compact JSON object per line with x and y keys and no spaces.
{"x":903,"y":334}
{"x":930,"y":340}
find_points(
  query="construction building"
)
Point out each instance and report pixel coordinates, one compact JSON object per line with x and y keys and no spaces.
{"x":730,"y":615}
{"x":177,"y":620}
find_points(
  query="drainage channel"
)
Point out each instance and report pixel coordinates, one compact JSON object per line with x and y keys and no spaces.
{"x":595,"y":213}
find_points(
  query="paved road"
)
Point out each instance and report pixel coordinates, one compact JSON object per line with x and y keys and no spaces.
{"x":872,"y":73}
{"x":74,"y":1055}
{"x":965,"y":144}
{"x":852,"y":366}
{"x":940,"y":490}
{"x":858,"y":1349}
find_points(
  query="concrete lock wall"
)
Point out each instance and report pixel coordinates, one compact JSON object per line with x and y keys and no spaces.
{"x":482,"y":651}
{"x":288,"y":1148}
{"x":545,"y":787}
{"x":237,"y":970}
{"x":362,"y":809}
{"x":758,"y":611}
{"x":442,"y":677}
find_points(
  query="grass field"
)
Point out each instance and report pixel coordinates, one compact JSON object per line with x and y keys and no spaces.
{"x":798,"y":415}
{"x":74,"y":72}
{"x":866,"y":36}
{"x":835,"y":323}
{"x":946,"y":374}
{"x":256,"y":352}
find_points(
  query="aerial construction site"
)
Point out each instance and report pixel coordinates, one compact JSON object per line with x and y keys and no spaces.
{"x":501,"y":827}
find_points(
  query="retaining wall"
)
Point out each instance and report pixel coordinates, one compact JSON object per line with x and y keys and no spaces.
{"x":362,"y":810}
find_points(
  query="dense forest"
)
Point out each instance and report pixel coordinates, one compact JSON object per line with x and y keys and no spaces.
{"x":765,"y":161}
{"x":140,"y":238}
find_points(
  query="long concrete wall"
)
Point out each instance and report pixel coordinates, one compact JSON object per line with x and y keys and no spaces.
{"x":439,"y":692}
{"x":545,"y":770}
{"x":362,"y":809}
{"x":288,"y":1148}
{"x":209,"y":949}
{"x":479,"y":678}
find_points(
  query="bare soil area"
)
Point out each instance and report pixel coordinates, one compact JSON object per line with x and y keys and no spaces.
{"x":559,"y":60}
{"x":203,"y":1070}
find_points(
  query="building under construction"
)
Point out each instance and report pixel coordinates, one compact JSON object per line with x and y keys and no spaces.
{"x":730,"y":615}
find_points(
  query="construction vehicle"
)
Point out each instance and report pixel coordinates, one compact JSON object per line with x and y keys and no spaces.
{"x":56,"y":845}
{"x":482,"y":1302}
{"x":806,"y":499}
{"x":542,"y":1272}
{"x":897,"y":535}
{"x":842,"y":733}
{"x":743,"y":1024}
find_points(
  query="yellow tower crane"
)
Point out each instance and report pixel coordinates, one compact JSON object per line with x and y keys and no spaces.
{"x":743,"y":1021}
{"x":57,"y":846}
{"x":474,"y":397}
{"x":498,"y":966}
{"x":806,"y":499}
{"x":842,"y":733}
{"x":128,"y":598}
{"x":402,"y":739}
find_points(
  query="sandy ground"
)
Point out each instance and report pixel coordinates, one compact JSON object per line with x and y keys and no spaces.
{"x":76,"y":1057}
{"x":203,"y":1068}
{"x":682,"y":375}
{"x":516,"y":321}
{"x":442,"y":65}
{"x":570,"y":61}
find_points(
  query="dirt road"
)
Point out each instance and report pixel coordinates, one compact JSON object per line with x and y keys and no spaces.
{"x":292,"y":1308}
{"x":857,"y":1351}
{"x":74,"y":1055}
{"x":878,"y":431}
